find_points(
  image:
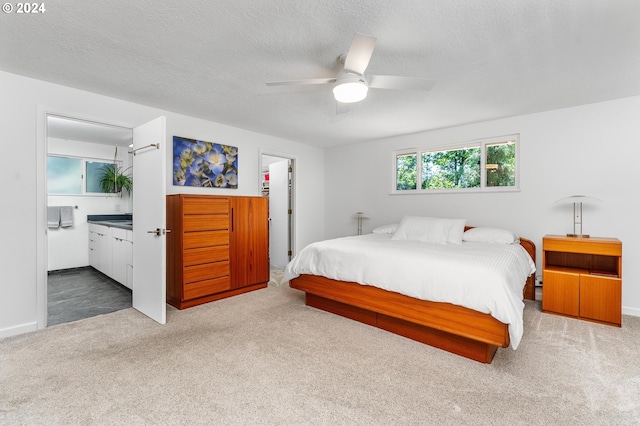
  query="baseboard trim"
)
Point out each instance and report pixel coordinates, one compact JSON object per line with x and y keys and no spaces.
{"x":18,"y":329}
{"x":634,"y":312}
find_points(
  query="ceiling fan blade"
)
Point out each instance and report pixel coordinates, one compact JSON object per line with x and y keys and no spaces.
{"x":302,"y":82}
{"x":359,"y":53}
{"x":399,"y":83}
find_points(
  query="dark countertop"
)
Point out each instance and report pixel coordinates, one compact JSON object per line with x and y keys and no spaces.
{"x":114,"y":223}
{"x":123,"y":221}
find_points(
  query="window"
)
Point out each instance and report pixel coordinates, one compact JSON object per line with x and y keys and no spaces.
{"x":74,"y":175}
{"x":94,"y":172}
{"x":501,"y":164}
{"x":456,"y":168}
{"x":64,"y":175}
{"x":406,"y":171}
{"x":486,"y":165}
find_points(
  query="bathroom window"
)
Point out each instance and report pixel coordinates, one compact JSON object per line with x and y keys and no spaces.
{"x":64,"y":175}
{"x":74,"y":175}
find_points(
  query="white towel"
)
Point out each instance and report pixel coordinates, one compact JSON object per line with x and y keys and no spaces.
{"x":53,"y":217}
{"x":66,"y":216}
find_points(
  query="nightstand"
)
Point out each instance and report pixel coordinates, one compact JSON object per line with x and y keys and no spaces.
{"x":582,"y":278}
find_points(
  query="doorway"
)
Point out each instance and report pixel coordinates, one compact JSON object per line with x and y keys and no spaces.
{"x":77,"y":153}
{"x":148,"y":276}
{"x":277,"y":183}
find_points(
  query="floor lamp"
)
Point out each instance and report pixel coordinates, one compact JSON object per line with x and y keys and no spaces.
{"x":360,"y":217}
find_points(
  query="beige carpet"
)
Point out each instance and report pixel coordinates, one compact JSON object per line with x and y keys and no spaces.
{"x":265,"y":358}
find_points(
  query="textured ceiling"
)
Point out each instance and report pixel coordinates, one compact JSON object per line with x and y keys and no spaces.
{"x":211,"y":59}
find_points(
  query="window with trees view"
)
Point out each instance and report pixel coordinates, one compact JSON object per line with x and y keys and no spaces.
{"x":489,"y":164}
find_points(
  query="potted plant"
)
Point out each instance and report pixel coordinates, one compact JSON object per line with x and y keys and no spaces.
{"x":114,"y":180}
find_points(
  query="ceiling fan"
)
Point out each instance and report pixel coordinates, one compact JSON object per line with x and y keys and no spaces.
{"x":351,"y":83}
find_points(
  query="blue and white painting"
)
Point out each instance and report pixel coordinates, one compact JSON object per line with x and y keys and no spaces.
{"x":204,"y":164}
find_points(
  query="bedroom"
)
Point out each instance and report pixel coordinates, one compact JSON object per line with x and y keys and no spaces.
{"x":582,"y":148}
{"x":557,"y":159}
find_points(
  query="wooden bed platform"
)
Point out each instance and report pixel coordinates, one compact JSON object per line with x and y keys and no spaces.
{"x":453,"y":328}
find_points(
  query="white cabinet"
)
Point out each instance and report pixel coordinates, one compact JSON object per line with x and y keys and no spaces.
{"x":119,"y":250}
{"x":129,"y":259}
{"x":94,"y":242}
{"x":111,"y":252}
{"x":100,"y":256}
{"x":122,"y":248}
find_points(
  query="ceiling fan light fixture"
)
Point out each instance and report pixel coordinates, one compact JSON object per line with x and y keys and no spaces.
{"x":350,"y":91}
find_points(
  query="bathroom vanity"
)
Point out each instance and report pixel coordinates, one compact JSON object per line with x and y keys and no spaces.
{"x":111,"y":246}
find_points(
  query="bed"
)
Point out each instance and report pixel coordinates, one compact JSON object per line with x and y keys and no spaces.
{"x":356,"y":277}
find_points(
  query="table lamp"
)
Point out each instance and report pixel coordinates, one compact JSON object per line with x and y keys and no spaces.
{"x":577,"y":201}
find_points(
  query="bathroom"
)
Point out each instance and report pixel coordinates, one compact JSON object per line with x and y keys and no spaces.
{"x":76,"y":151}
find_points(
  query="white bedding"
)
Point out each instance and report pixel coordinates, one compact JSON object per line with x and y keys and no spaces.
{"x":485,"y":277}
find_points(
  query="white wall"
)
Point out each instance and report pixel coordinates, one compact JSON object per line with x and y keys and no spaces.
{"x":23,"y":105}
{"x":67,"y":247}
{"x":589,"y":150}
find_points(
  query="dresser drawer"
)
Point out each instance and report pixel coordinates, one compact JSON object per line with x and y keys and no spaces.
{"x":205,"y":239}
{"x":205,"y":205}
{"x":205,"y":271}
{"x":205,"y":222}
{"x":206,"y":287}
{"x":201,"y":255}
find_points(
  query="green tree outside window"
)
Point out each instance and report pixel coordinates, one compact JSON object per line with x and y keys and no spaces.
{"x":488,"y":163}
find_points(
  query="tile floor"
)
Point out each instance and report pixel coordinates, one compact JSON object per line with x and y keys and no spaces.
{"x":79,"y":293}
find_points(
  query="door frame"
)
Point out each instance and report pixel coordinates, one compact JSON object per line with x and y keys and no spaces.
{"x":294,"y":207}
{"x":42,"y":148}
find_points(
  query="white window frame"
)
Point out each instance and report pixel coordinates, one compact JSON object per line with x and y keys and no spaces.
{"x":482,"y":143}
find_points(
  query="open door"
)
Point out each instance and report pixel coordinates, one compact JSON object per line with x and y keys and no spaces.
{"x":149,"y":219}
{"x":279,"y":214}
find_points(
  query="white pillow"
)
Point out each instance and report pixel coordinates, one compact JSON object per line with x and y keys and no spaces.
{"x":490,"y":235}
{"x":430,"y":230}
{"x":386,"y":229}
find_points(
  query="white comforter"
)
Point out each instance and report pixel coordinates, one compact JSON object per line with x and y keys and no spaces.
{"x":485,"y":277}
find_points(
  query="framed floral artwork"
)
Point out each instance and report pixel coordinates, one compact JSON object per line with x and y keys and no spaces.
{"x":204,"y":164}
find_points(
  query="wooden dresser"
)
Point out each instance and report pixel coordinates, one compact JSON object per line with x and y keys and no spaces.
{"x":218,"y":247}
{"x":582,"y":278}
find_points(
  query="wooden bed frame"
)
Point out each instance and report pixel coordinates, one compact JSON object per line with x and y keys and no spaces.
{"x":456,"y":329}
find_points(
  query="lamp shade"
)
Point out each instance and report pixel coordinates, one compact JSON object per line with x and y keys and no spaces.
{"x":577,"y":201}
